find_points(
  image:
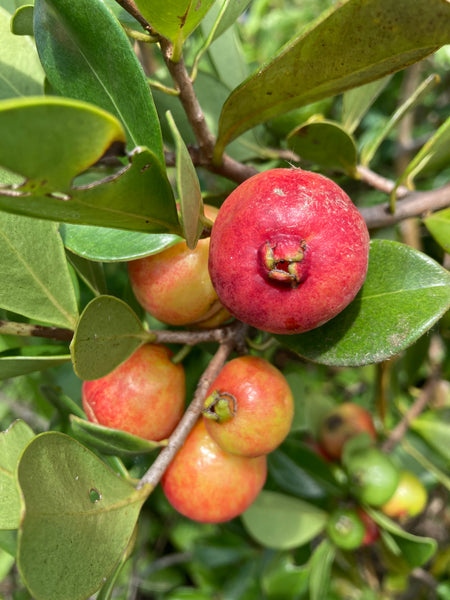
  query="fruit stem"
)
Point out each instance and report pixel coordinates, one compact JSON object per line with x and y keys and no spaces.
{"x":179,"y":356}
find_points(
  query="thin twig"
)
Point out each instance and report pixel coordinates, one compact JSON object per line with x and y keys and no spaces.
{"x":185,"y":337}
{"x":190,"y":417}
{"x":415,"y":204}
{"x":379,"y":182}
{"x":416,"y":409}
{"x":133,"y":10}
{"x":189,"y":100}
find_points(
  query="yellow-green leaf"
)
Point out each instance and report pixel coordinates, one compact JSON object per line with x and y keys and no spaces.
{"x":78,"y":517}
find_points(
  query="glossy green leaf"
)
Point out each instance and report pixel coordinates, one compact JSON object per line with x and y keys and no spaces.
{"x":21,"y":73}
{"x":6,"y":564}
{"x":431,"y":459}
{"x":433,"y":156}
{"x":414,"y":549}
{"x":404,"y":294}
{"x":22,"y":20}
{"x":222,"y":549}
{"x":357,"y":101}
{"x":13,"y":366}
{"x":175,"y":20}
{"x":78,"y":517}
{"x":320,"y":566}
{"x":284,"y":579}
{"x":438,"y":224}
{"x":50,"y":140}
{"x":282,"y":125}
{"x":300,"y":471}
{"x":12,"y":442}
{"x":33,"y":259}
{"x":107,"y":590}
{"x":110,"y":441}
{"x":325,"y":143}
{"x":224,"y":44}
{"x":291,"y":478}
{"x":211,"y":94}
{"x":108,"y":333}
{"x":189,"y":192}
{"x":282,"y":522}
{"x":434,"y":427}
{"x":222,"y":16}
{"x":137,"y":197}
{"x":86,"y":55}
{"x":368,"y":151}
{"x":8,"y":541}
{"x":349,"y":45}
{"x":113,"y":245}
{"x":63,"y":404}
{"x":89,"y":271}
{"x":121,"y":14}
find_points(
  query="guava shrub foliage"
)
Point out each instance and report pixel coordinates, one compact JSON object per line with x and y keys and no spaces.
{"x":223,"y":299}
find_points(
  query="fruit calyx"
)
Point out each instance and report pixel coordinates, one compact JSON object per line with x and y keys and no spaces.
{"x":282,"y":260}
{"x":220,"y":406}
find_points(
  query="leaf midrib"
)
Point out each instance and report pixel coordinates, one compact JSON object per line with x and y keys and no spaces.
{"x":405,"y":290}
{"x":68,"y":317}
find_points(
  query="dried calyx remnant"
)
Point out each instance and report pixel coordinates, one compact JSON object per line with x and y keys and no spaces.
{"x":220,"y":406}
{"x":283,"y":260}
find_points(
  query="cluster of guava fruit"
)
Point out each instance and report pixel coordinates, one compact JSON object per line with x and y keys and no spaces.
{"x":288,"y":251}
{"x":374,"y":479}
{"x":222,"y":466}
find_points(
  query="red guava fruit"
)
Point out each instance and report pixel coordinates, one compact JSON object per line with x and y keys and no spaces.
{"x":174,"y":285}
{"x":409,"y":498}
{"x":208,"y":485}
{"x":341,"y":424}
{"x":144,"y":396}
{"x":250,"y":407}
{"x":288,"y":251}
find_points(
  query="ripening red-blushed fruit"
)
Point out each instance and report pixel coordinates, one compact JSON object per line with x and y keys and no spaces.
{"x":259,"y":407}
{"x":289,"y":251}
{"x":341,"y":424}
{"x":144,"y":396}
{"x":208,"y":485}
{"x":174,"y":285}
{"x":409,"y":498}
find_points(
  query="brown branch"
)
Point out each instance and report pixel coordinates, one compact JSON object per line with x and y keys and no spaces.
{"x":415,"y":204}
{"x":202,"y":155}
{"x":190,"y":417}
{"x":192,"y":337}
{"x":416,"y":409}
{"x":132,"y":9}
{"x":189,"y":100}
{"x":163,"y":336}
{"x":30,"y":330}
{"x":379,"y":182}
